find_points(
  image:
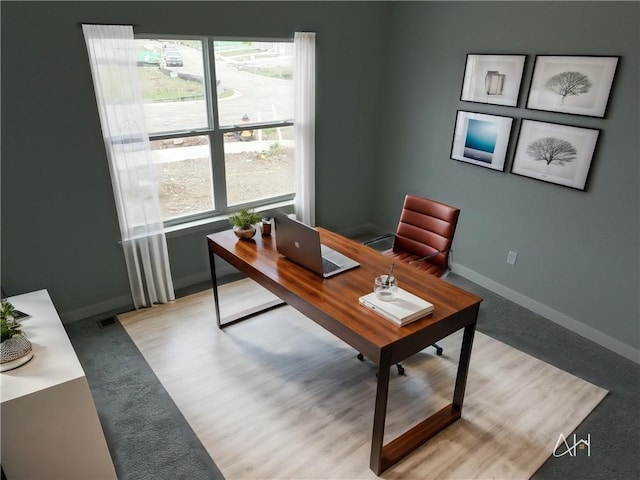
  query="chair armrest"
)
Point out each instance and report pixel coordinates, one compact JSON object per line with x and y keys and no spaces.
{"x":426,"y":257}
{"x":379,"y":239}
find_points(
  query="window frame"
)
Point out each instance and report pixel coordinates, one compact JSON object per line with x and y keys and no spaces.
{"x":216,"y":133}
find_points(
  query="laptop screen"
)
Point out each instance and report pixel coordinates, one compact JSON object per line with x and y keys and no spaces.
{"x":300,"y":243}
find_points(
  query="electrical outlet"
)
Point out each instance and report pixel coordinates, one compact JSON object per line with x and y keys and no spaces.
{"x":511,"y":257}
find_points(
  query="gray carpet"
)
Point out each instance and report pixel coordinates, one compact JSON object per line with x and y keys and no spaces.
{"x":614,"y":425}
{"x":148,"y":437}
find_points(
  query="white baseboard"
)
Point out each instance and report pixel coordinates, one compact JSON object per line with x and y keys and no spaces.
{"x":123,"y":303}
{"x":202,"y":277}
{"x":117,"y":304}
{"x":549,"y":313}
{"x":195,"y":279}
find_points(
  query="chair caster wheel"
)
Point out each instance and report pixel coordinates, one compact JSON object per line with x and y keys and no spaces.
{"x":438,"y":351}
{"x":400,"y":369}
{"x":361,"y":357}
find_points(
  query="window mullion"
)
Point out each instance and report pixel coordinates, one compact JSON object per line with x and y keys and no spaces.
{"x":217,"y":141}
{"x":210,"y":82}
{"x":257,"y":126}
{"x":218,"y":165}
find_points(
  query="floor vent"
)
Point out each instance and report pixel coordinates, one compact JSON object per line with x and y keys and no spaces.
{"x":106,"y":322}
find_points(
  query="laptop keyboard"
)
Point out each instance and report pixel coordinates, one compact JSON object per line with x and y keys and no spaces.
{"x":329,"y":266}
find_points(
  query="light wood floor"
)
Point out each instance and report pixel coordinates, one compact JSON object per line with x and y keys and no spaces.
{"x":277,"y":397}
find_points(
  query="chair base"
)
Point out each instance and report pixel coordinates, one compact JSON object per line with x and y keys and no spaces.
{"x":400,"y":368}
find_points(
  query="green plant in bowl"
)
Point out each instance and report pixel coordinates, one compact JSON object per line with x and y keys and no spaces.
{"x":15,"y":349}
{"x":8,"y":326}
{"x":244,"y":223}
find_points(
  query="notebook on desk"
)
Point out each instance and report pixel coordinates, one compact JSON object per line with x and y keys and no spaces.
{"x":300,"y":243}
{"x":404,"y":309}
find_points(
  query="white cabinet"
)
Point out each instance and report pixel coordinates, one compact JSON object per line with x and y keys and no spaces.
{"x":50,"y":427}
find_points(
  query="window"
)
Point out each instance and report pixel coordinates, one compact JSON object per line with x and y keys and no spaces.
{"x":218,"y":148}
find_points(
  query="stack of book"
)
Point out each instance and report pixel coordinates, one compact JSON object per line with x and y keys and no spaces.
{"x":404,"y":309}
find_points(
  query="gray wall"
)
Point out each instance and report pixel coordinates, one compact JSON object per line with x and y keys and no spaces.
{"x":389,"y":76}
{"x":577,"y":251}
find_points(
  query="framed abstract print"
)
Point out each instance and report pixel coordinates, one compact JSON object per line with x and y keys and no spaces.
{"x":493,"y":79}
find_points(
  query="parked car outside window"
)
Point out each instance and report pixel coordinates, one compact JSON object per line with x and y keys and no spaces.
{"x":171,"y":57}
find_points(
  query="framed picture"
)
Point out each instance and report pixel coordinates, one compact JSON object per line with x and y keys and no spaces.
{"x":555,"y":153}
{"x":481,"y":139}
{"x":493,"y":79}
{"x":577,"y":85}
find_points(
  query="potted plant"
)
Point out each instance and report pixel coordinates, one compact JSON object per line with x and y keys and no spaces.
{"x":244,"y":223}
{"x":15,"y":349}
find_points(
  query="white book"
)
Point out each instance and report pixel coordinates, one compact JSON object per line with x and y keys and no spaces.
{"x":405,"y":308}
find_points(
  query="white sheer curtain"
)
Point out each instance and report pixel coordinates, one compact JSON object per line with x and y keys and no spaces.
{"x":112,"y":56}
{"x":304,"y":119}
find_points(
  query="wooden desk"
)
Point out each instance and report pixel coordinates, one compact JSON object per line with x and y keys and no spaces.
{"x":333,"y":304}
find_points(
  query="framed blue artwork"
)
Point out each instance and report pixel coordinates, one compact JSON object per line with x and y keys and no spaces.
{"x":481,"y":139}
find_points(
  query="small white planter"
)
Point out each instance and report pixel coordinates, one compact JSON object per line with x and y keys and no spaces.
{"x":245,"y":233}
{"x":14,"y":352}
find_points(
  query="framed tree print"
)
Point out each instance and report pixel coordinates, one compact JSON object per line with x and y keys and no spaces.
{"x":481,"y":139}
{"x":578,"y":85}
{"x":492,"y":79}
{"x":555,"y":153}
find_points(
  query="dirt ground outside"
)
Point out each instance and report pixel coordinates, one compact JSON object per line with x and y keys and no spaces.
{"x":185,"y":186}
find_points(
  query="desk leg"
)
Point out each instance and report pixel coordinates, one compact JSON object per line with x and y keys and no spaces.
{"x":214,"y":281}
{"x":380,"y":413}
{"x":384,"y":456}
{"x":463,"y":366}
{"x":243,"y":314}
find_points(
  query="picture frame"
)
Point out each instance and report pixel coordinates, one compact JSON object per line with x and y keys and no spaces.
{"x":555,"y":153}
{"x":481,"y":139}
{"x":578,"y":85}
{"x":493,"y":79}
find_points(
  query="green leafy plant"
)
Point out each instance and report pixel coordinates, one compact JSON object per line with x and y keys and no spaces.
{"x":7,"y":310}
{"x":244,"y":218}
{"x":8,"y":326}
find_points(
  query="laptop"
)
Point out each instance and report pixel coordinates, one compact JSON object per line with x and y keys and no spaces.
{"x":300,"y":243}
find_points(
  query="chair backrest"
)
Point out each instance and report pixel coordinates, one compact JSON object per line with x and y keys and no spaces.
{"x":426,"y":227}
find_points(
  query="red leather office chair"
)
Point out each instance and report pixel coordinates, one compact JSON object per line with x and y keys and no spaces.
{"x":424,"y":234}
{"x":423,"y":238}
